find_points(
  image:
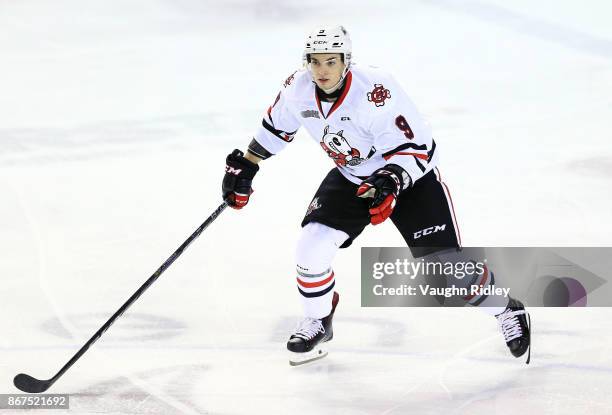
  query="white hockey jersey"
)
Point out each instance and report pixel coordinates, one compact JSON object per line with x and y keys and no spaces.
{"x":371,"y":124}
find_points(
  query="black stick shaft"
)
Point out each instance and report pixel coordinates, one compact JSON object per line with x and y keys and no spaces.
{"x":139,"y":292}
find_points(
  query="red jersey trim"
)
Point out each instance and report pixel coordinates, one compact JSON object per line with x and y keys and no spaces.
{"x":348,"y":79}
{"x":401,"y":153}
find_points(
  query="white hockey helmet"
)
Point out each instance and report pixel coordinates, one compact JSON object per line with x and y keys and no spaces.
{"x":329,"y":40}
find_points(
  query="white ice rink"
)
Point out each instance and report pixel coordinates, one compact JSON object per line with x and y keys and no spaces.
{"x":115,"y":119}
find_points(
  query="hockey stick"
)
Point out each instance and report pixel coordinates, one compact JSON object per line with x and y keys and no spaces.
{"x":29,"y":384}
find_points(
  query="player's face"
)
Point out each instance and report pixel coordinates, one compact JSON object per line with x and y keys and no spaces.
{"x":326,"y":69}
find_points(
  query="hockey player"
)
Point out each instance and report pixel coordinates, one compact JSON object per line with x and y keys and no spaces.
{"x":386,"y":168}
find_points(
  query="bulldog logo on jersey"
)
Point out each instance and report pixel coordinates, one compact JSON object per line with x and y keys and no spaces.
{"x":338,"y":148}
{"x":378,"y":95}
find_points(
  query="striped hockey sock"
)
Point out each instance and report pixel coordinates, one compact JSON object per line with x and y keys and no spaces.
{"x":316,"y":292}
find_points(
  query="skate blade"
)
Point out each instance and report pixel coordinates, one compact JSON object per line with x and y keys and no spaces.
{"x":297,"y":359}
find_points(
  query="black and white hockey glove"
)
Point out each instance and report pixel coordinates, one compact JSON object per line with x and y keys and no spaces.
{"x":383,"y":186}
{"x":239,"y":172}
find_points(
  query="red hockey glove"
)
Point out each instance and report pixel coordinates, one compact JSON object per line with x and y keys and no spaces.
{"x":239,"y":172}
{"x":383,"y":186}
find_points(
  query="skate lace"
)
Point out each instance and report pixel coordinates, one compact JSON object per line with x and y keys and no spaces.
{"x":308,"y":328}
{"x":510,"y":325}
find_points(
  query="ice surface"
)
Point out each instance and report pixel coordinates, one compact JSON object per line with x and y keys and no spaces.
{"x":115,"y":120}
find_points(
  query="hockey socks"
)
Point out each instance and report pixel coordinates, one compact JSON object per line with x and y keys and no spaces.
{"x":315,"y":251}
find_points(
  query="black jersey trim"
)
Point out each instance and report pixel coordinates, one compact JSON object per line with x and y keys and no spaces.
{"x":404,"y":147}
{"x":283,"y":135}
{"x":430,"y":153}
{"x":371,"y":153}
{"x":419,"y":164}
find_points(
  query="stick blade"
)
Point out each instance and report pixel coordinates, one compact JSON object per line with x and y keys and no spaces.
{"x":29,"y":384}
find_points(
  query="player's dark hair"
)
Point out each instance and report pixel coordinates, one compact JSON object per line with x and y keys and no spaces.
{"x":308,"y":57}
